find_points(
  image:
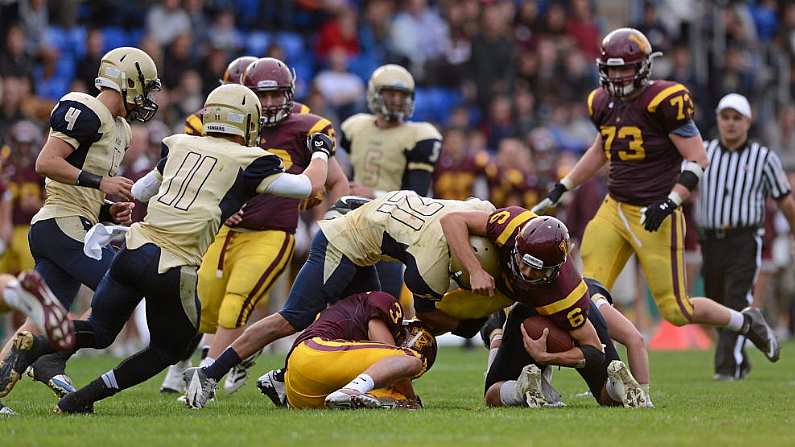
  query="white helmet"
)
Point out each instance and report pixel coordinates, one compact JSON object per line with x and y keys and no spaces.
{"x":233,"y":110}
{"x":133,"y":74}
{"x":391,"y":77}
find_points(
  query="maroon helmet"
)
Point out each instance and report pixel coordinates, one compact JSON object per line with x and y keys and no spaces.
{"x":418,"y":338}
{"x":269,"y":74}
{"x":543,"y":245}
{"x":622,"y":47}
{"x":234,"y":71}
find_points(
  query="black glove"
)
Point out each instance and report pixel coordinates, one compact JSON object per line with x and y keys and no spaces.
{"x":653,"y":216}
{"x":320,"y":142}
{"x":552,"y":199}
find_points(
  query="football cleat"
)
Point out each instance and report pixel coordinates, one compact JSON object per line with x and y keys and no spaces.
{"x":633,"y":396}
{"x":70,"y":404}
{"x":17,"y":361}
{"x":200,"y":389}
{"x":551,"y":395}
{"x":345,"y":398}
{"x":49,"y":370}
{"x":237,"y":377}
{"x":270,"y":386}
{"x":37,"y":301}
{"x":6,"y":411}
{"x":174,"y":382}
{"x":761,"y":334}
{"x":529,"y":385}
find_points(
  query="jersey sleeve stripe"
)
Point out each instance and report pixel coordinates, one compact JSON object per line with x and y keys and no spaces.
{"x":512,"y":225}
{"x":304,"y":109}
{"x":420,"y":166}
{"x":193,"y":125}
{"x":590,"y":101}
{"x":321,"y":124}
{"x":664,"y":94}
{"x":565,"y":303}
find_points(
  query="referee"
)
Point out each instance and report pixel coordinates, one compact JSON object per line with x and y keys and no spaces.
{"x":731,"y":204}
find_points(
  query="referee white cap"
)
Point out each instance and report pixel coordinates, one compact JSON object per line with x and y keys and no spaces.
{"x":737,"y":102}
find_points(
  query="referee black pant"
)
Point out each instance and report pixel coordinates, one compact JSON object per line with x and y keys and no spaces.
{"x":731,"y":260}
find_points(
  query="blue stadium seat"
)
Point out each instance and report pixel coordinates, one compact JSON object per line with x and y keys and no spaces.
{"x":293,"y":45}
{"x":115,"y":37}
{"x":77,"y":41}
{"x":55,"y":36}
{"x":257,"y":42}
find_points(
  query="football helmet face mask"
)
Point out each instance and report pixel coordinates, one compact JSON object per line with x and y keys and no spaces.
{"x":419,"y":339}
{"x":234,"y":71}
{"x":133,"y":74}
{"x":487,"y":255}
{"x":393,"y":107}
{"x":542,"y":246}
{"x":232,"y":109}
{"x":272,"y":75}
{"x":622,"y":48}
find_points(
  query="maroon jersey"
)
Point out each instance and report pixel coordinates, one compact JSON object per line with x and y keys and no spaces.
{"x":348,"y":319}
{"x":453,"y":179}
{"x":288,"y":141}
{"x":511,"y":186}
{"x":27,"y":192}
{"x":565,"y":301}
{"x":644,"y":163}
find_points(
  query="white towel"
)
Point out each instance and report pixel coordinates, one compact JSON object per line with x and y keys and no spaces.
{"x":100,"y":236}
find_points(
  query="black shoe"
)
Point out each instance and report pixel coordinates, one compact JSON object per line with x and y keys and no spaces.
{"x":25,"y":350}
{"x":50,"y":370}
{"x":495,"y":321}
{"x":759,"y":332}
{"x":70,"y":404}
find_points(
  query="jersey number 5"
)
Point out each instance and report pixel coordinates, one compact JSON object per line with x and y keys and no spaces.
{"x":634,"y":150}
{"x":185,"y":184}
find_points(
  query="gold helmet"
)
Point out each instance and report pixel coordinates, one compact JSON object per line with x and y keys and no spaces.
{"x":233,"y":110}
{"x":133,"y":74}
{"x":487,"y":255}
{"x":391,"y":77}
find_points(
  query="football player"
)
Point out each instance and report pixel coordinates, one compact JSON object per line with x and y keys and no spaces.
{"x":657,"y":158}
{"x":198,"y":183}
{"x":354,"y":347}
{"x":401,"y":226}
{"x":249,"y":254}
{"x":535,"y":270}
{"x":387,"y":151}
{"x":87,"y":141}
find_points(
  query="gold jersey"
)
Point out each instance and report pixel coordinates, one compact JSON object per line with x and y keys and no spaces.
{"x":380,"y":157}
{"x":99,"y":141}
{"x":205,"y":179}
{"x":399,"y":225}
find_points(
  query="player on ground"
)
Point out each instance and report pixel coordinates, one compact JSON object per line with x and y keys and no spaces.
{"x":535,"y":270}
{"x":80,"y":159}
{"x":199,"y":182}
{"x":400,"y":226}
{"x":247,"y":257}
{"x":646,"y":130}
{"x":387,"y":151}
{"x":354,"y":348}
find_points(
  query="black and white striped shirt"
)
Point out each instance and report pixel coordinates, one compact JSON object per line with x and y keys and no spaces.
{"x":733,"y":189}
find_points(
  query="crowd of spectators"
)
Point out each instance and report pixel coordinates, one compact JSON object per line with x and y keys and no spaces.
{"x":502,"y":79}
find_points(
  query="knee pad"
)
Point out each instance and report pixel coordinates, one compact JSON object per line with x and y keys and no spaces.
{"x":672,"y":312}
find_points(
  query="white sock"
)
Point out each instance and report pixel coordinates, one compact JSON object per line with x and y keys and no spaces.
{"x":11,"y":295}
{"x":615,"y":390}
{"x":510,"y":395}
{"x":207,"y":361}
{"x":645,"y":388}
{"x":110,"y":380}
{"x":363,"y":383}
{"x":492,"y":356}
{"x":736,"y":320}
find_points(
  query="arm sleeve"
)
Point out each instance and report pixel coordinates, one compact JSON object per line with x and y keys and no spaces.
{"x":776,"y":180}
{"x":261,"y":172}
{"x":147,"y":186}
{"x":421,"y":162}
{"x":74,"y":123}
{"x":287,"y":185}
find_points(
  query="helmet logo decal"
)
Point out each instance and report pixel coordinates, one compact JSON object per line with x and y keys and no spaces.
{"x":644,"y":46}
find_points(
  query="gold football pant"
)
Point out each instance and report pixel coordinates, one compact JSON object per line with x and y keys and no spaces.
{"x":17,"y":257}
{"x":237,"y":272}
{"x":318,"y":367}
{"x":615,"y":233}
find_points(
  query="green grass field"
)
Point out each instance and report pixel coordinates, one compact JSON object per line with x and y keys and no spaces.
{"x":691,"y":409}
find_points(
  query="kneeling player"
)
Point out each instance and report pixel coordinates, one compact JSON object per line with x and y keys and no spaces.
{"x":514,"y":376}
{"x":350,"y":357}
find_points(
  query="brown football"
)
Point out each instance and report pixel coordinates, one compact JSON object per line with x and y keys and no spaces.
{"x":558,"y":340}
